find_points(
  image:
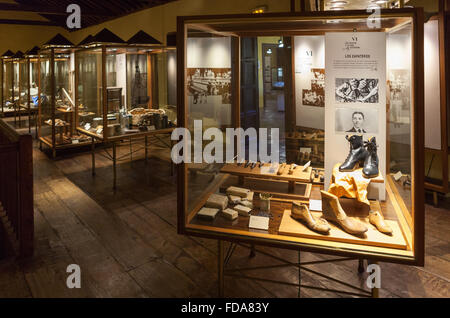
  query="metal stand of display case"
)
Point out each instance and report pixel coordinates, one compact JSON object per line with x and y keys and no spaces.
{"x":114,"y":142}
{"x":224,"y":258}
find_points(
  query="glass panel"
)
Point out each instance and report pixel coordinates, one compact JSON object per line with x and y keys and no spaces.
{"x":90,"y":99}
{"x":399,"y":109}
{"x":45,"y":119}
{"x":353,"y":93}
{"x":7,"y":86}
{"x":34,"y":82}
{"x":137,"y":80}
{"x":24,"y":66}
{"x":16,"y":81}
{"x":166,"y":88}
{"x":208,"y":86}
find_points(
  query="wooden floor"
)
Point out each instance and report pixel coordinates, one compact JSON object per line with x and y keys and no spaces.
{"x":127,"y":246}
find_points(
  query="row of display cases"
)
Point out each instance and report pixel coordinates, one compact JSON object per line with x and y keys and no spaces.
{"x":104,"y":87}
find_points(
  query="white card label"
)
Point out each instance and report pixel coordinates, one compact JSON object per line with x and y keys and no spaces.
{"x":75,"y":141}
{"x":305,"y":149}
{"x":398,"y":175}
{"x":259,"y":222}
{"x":152,"y":128}
{"x":315,"y":205}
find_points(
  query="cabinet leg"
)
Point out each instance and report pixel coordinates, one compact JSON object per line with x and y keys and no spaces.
{"x":435,"y":199}
{"x":146,"y":149}
{"x":360,"y":266}
{"x":299,"y":275}
{"x":252,"y":251}
{"x":93,"y":156}
{"x":220,"y":261}
{"x":114,"y":166}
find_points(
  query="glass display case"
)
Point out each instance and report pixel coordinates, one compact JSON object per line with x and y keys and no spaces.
{"x":118,"y":91}
{"x":17,"y":89}
{"x":56,"y":91}
{"x":7,"y":84}
{"x":332,"y":171}
{"x":30,"y":82}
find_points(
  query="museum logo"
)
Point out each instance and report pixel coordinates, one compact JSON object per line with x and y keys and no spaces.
{"x":207,"y":145}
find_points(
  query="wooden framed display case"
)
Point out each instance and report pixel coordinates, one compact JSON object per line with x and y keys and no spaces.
{"x":31,"y":85}
{"x":28,"y":83}
{"x":118,"y":91}
{"x":7,"y":84}
{"x":56,"y":127}
{"x":436,"y":101}
{"x":352,"y":61}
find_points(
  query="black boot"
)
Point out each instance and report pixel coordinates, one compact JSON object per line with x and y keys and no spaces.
{"x":357,"y":153}
{"x":370,"y":169}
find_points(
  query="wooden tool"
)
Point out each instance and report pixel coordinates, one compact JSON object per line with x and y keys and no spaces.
{"x":292,"y":168}
{"x":281,"y":169}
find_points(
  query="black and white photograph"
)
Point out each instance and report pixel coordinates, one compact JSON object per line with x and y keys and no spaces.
{"x":316,"y":95}
{"x":356,"y":90}
{"x":355,"y":120}
{"x":209,"y":83}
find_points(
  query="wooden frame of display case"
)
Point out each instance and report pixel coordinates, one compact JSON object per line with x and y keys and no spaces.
{"x":31,"y":58}
{"x":442,"y":18}
{"x":286,"y":24}
{"x":104,"y":47}
{"x":52,"y":51}
{"x":149,"y":50}
{"x":5,"y":61}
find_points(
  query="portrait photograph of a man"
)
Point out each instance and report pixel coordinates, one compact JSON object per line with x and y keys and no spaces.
{"x":356,"y":90}
{"x":359,"y":121}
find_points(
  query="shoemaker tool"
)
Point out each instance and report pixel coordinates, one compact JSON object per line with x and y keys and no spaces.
{"x":254,"y":165}
{"x":292,"y":168}
{"x":247,"y":164}
{"x":281,"y":169}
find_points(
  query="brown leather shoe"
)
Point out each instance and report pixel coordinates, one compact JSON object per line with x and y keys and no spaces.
{"x":377,"y":219}
{"x":332,"y":211}
{"x":300,"y":212}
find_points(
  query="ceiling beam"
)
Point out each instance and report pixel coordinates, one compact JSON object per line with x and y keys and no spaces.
{"x":48,"y":10}
{"x":27,"y":22}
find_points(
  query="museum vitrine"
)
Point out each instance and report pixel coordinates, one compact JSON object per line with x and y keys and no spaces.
{"x":7,"y":83}
{"x":331,"y":171}
{"x":56,"y":90}
{"x":117,"y":86}
{"x":29,"y":81}
{"x":17,"y":88}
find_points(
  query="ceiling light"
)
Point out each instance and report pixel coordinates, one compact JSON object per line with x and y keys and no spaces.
{"x":260,"y":9}
{"x":380,"y":1}
{"x":337,"y":8}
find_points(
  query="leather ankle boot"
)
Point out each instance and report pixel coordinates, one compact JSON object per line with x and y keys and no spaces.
{"x":370,"y":169}
{"x":301,"y":212}
{"x":357,"y":154}
{"x":332,"y":211}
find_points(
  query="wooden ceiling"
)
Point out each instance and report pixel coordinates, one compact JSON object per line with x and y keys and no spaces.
{"x":53,"y":12}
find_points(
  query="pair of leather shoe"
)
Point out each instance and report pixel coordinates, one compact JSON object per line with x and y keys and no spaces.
{"x":362,"y":154}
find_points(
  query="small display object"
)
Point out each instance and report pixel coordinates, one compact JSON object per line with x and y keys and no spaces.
{"x":329,"y":171}
{"x":118,"y":91}
{"x":56,"y":128}
{"x":8,"y":93}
